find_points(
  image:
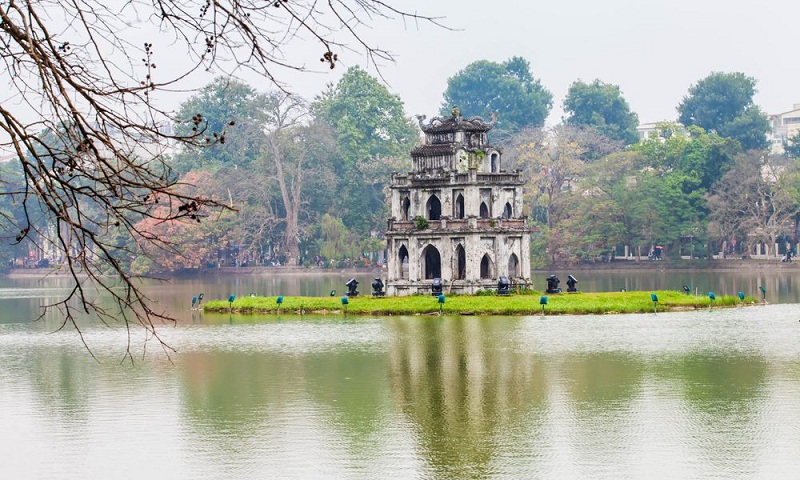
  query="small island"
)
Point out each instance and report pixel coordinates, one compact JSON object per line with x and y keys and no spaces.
{"x":490,"y":304}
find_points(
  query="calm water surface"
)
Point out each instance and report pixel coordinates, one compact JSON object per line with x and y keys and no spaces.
{"x":707,"y":394}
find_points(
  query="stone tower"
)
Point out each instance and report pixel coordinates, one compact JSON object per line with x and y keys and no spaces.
{"x":457,"y":216}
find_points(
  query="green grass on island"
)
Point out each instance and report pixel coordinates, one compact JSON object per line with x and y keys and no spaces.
{"x":518,"y":304}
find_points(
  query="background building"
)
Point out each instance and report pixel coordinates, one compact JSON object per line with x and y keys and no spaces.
{"x":782,"y":127}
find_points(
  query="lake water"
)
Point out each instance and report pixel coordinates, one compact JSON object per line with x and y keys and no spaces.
{"x":706,"y":394}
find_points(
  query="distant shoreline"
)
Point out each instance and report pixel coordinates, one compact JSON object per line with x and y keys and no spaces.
{"x":617,"y":266}
{"x":676,"y":265}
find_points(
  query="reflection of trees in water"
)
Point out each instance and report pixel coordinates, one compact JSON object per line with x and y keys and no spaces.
{"x":70,"y":384}
{"x":725,"y":395}
{"x":63,"y":382}
{"x":476,"y":402}
{"x":603,"y":381}
{"x":243,"y":394}
{"x":602,"y":387}
{"x":717,"y":384}
{"x":464,"y":391}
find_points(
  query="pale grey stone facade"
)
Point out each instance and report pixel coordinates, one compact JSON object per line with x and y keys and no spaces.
{"x":475,"y":229}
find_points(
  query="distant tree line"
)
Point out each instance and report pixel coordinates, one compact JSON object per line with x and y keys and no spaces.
{"x":305,"y":182}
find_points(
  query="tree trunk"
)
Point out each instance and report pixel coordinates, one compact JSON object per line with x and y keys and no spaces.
{"x":290,"y":195}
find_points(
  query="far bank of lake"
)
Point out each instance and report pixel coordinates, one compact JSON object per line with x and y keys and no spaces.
{"x":174,"y":292}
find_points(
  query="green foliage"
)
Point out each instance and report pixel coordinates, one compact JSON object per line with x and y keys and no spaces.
{"x":335,"y":241}
{"x":792,"y":146}
{"x":228,"y":115}
{"x":539,"y":240}
{"x":372,"y":135}
{"x":12,"y":215}
{"x":486,"y":293}
{"x":723,"y":102}
{"x":508,"y":88}
{"x":702,"y":157}
{"x":421,"y":222}
{"x":142,"y":265}
{"x":601,"y":106}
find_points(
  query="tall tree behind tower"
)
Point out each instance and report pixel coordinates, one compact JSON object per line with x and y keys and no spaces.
{"x":373,"y":137}
{"x":507,"y":88}
{"x":601,"y":106}
{"x":723,"y":102}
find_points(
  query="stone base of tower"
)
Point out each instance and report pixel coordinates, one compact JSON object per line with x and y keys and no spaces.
{"x":460,"y":287}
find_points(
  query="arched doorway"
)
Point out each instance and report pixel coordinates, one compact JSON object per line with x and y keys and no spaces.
{"x":513,"y":266}
{"x":484,"y":210}
{"x":434,"y":208}
{"x":459,"y":204}
{"x":431,"y":262}
{"x":405,"y":206}
{"x":461,"y":263}
{"x":486,"y":267}
{"x":402,"y":259}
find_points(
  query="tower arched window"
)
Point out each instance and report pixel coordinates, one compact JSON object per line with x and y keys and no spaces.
{"x":508,"y":211}
{"x":461,"y":263}
{"x":459,"y":205}
{"x":513,"y":266}
{"x":434,"y":208}
{"x":484,"y":213}
{"x":405,"y":207}
{"x":402,"y":262}
{"x":486,"y":267}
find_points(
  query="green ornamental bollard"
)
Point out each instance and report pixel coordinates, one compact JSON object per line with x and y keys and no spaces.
{"x":345,"y":301}
{"x":279,"y":301}
{"x":763,"y":293}
{"x":543,"y":302}
{"x":654,"y":298}
{"x":441,"y":303}
{"x":741,"y":297}
{"x":711,"y":298}
{"x":230,"y":302}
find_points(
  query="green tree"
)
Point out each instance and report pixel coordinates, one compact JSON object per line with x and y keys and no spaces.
{"x":294,"y":153}
{"x":373,"y":137}
{"x":601,"y":106}
{"x":334,"y":240}
{"x":13,"y":216}
{"x":553,"y":160}
{"x":230,"y":114}
{"x":621,"y":203}
{"x":702,"y":157}
{"x":723,"y":103}
{"x":598,"y":220}
{"x":792,"y":146}
{"x":508,"y":89}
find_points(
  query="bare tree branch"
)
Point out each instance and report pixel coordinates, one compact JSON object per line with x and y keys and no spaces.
{"x":92,"y":143}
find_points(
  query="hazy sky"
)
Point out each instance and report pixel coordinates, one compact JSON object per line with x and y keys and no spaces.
{"x":653,"y":49}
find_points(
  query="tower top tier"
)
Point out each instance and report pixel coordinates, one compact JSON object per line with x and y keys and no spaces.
{"x":441,"y":130}
{"x":455,"y":144}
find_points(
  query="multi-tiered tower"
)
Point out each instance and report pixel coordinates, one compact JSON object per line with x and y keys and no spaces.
{"x":457,"y":216}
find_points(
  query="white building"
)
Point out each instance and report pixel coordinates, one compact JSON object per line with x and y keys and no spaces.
{"x":782,"y":127}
